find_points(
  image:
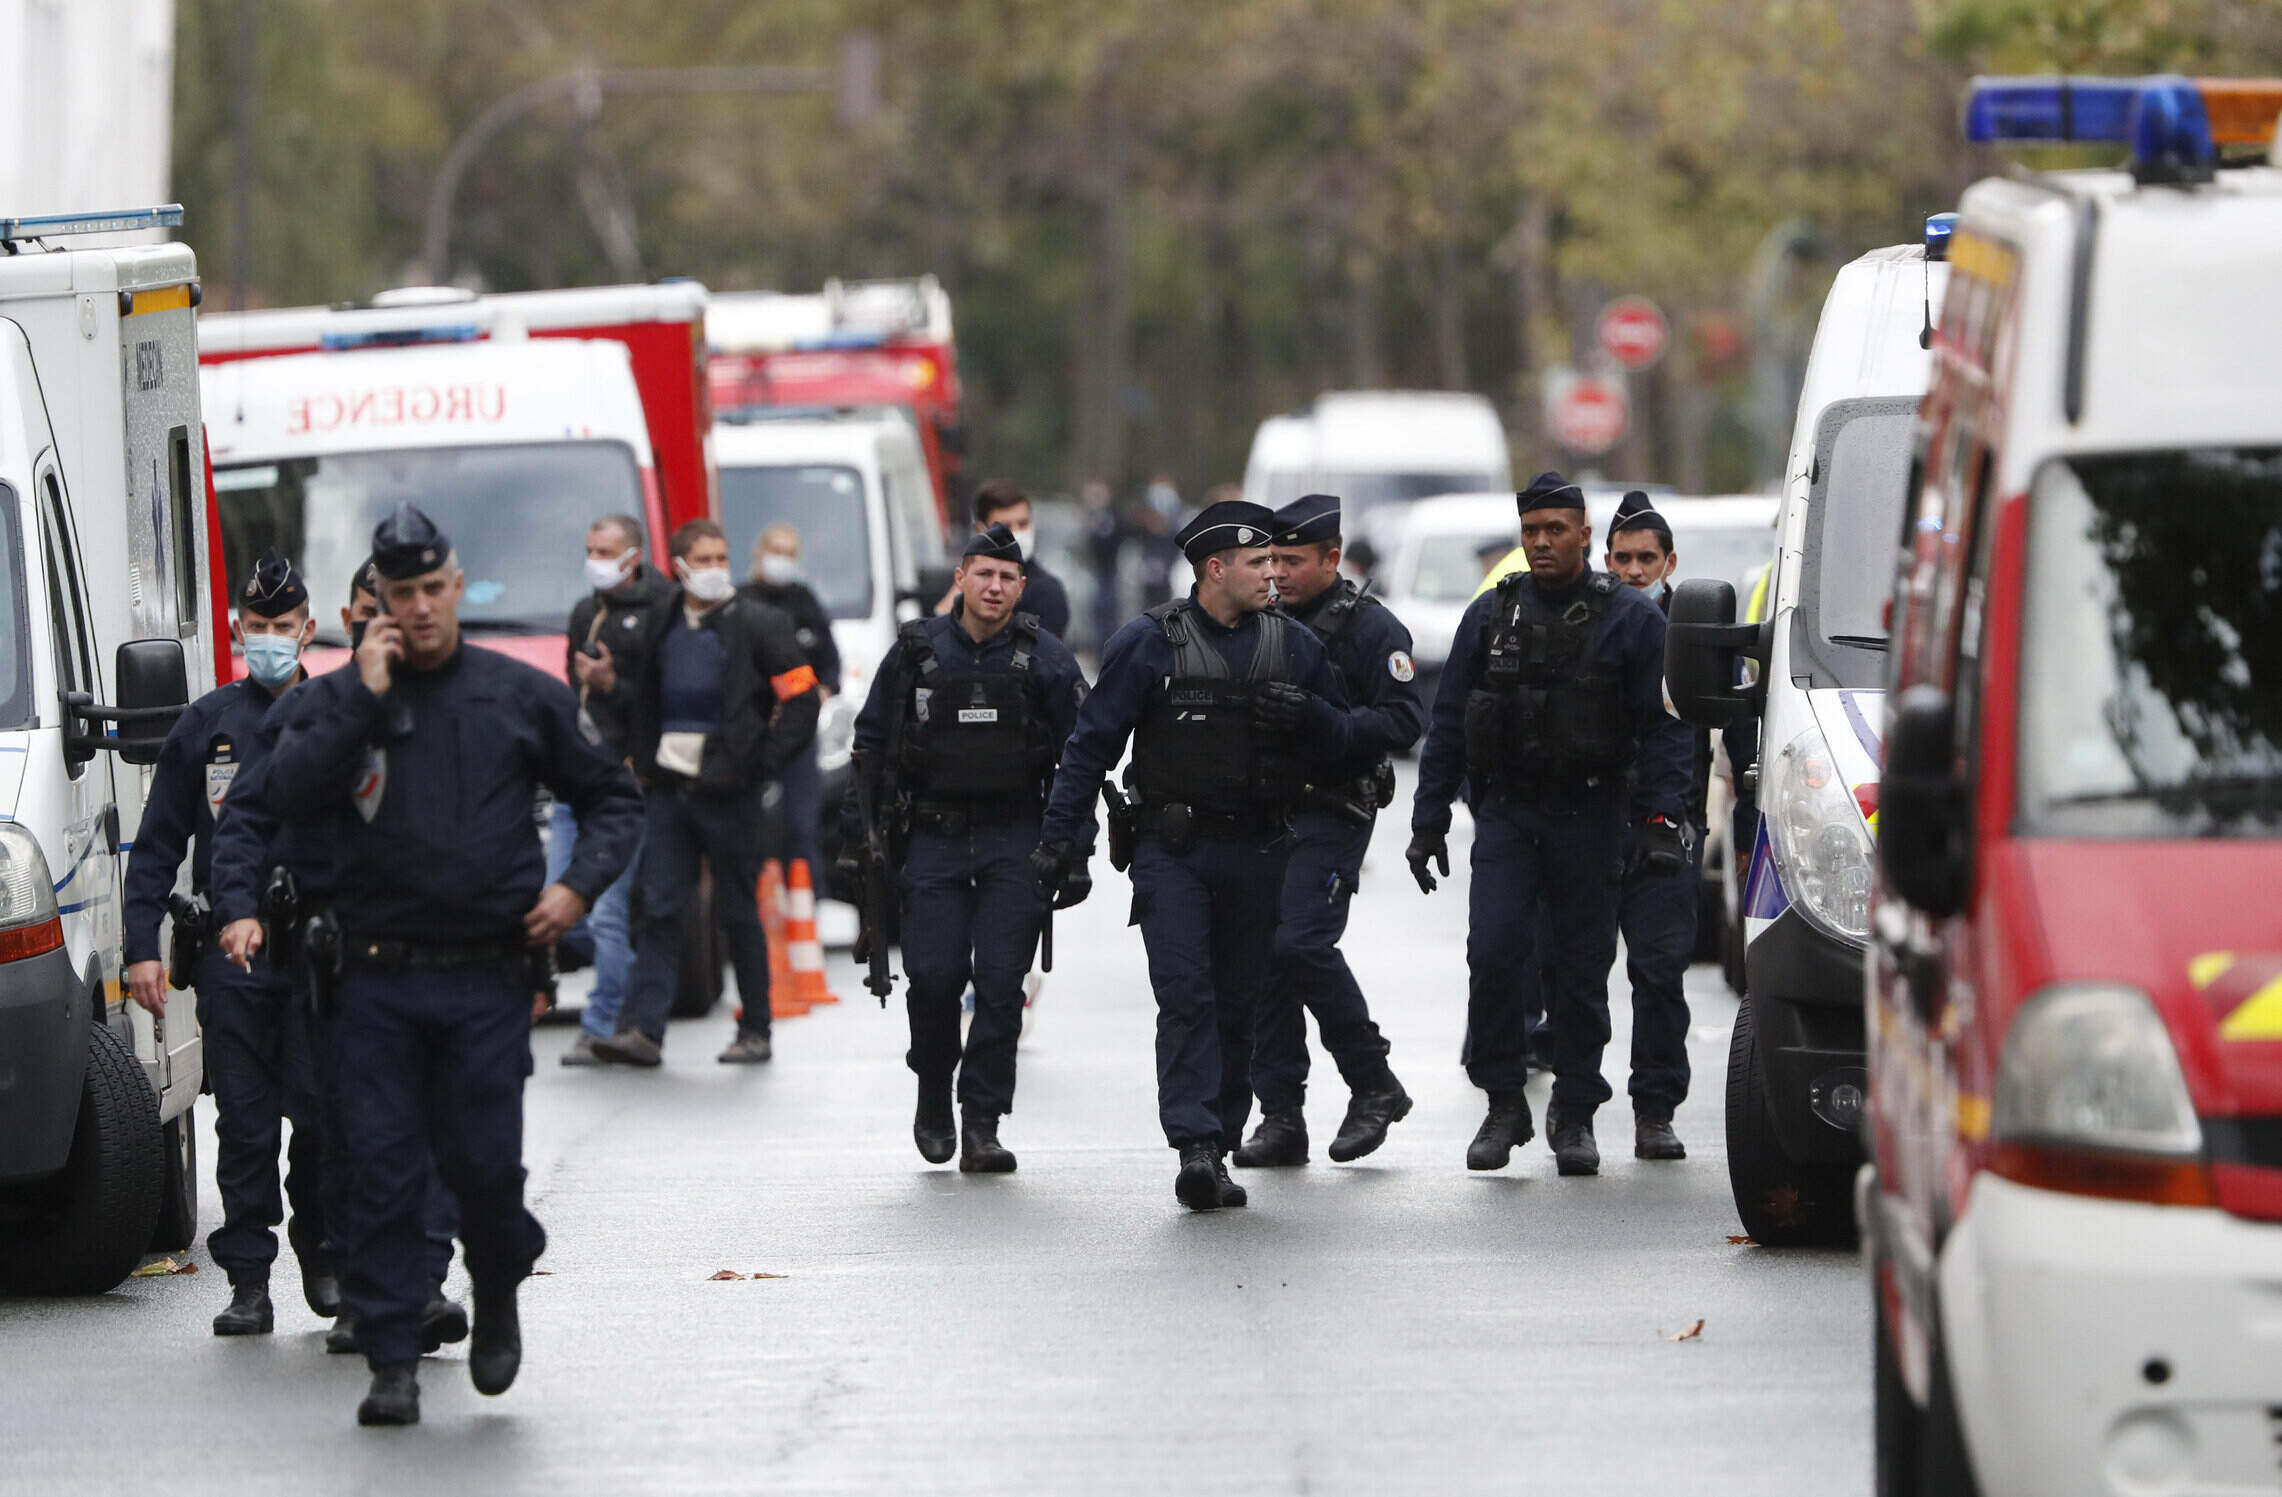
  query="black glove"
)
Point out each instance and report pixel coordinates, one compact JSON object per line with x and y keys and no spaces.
{"x":1050,"y":861}
{"x":1660,"y":853}
{"x":1425,"y":848}
{"x":1077,"y":883}
{"x":1281,"y":706}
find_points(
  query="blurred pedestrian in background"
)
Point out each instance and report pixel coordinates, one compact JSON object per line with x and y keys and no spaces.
{"x":1105,"y":544}
{"x":776,"y":581}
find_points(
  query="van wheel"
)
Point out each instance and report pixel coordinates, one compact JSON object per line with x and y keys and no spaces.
{"x":1711,"y":925}
{"x":698,"y":987}
{"x":85,"y":1229}
{"x":1784,"y":1202}
{"x":1898,"y":1428}
{"x":178,"y":1202}
{"x":1945,"y":1469}
{"x":1732,"y":945}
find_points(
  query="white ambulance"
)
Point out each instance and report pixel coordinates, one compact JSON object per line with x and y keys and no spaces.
{"x":107,"y":619}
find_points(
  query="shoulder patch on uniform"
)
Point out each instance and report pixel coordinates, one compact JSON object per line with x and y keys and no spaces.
{"x":1401,"y":666}
{"x":1604,"y":582}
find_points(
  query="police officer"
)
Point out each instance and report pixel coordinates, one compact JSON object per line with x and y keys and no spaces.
{"x":1231,"y":708}
{"x":1331,"y":830}
{"x":966,"y":718}
{"x":258,"y":1041}
{"x":1551,"y":717}
{"x":421,"y":766}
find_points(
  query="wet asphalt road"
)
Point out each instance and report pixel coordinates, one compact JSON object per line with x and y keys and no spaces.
{"x":1395,"y":1325}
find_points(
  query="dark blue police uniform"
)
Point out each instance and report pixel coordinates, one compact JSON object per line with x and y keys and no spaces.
{"x":1213,"y":783}
{"x":426,"y":794}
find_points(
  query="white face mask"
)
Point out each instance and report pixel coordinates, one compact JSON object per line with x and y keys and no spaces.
{"x":707,"y":584}
{"x":776,"y":569}
{"x":1026,"y":538}
{"x":603,"y":575}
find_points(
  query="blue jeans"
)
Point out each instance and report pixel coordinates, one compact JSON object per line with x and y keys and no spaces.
{"x":606,"y":923}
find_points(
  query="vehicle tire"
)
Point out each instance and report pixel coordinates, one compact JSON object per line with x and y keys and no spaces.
{"x":178,"y":1198}
{"x":1711,"y":925}
{"x":1945,"y":1469}
{"x":86,"y":1229}
{"x":1784,"y":1202}
{"x":698,"y":987}
{"x":1732,"y":948}
{"x":1898,"y":1427}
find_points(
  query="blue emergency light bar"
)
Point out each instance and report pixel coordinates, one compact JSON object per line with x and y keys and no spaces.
{"x":124,"y":221}
{"x":2161,"y":119}
{"x":1938,"y":228}
{"x":401,"y":337}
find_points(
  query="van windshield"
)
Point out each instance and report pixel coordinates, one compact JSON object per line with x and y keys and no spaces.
{"x":1854,"y":516}
{"x":2151,"y":701}
{"x":1360,"y":492}
{"x":825,"y":503}
{"x":1449,"y":567}
{"x":517,"y":514}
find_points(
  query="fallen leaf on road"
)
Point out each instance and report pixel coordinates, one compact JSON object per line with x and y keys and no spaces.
{"x":163,"y":1267}
{"x":1690,"y":1334}
{"x":728,"y":1273}
{"x":1743,"y":1242}
{"x":541,"y":1273}
{"x":767,"y":1276}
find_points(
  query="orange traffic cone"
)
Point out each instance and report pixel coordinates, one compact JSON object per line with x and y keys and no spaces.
{"x":784,"y":1003}
{"x":801,"y":945}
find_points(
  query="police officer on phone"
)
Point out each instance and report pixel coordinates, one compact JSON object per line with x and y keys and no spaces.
{"x":1551,"y":720}
{"x":1232,"y":708}
{"x":259,"y":1051}
{"x":422,"y":765}
{"x":958,"y":740}
{"x":1331,"y":830}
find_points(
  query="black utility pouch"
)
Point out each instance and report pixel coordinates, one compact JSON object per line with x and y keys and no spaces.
{"x":1176,"y":827}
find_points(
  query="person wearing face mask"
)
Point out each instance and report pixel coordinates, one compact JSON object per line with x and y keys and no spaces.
{"x":776,"y":581}
{"x":723,"y":703}
{"x":606,"y":626}
{"x":1002,"y":502}
{"x":259,"y":1053}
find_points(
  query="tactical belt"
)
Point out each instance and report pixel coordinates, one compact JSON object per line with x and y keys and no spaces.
{"x":1178,"y":825}
{"x":385,"y":955}
{"x":955,"y":816}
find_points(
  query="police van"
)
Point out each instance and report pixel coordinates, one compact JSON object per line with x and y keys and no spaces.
{"x":1816,"y":645}
{"x":2073,"y":1221}
{"x":107,"y":628}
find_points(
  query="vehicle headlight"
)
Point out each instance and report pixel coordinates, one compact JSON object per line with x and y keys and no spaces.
{"x":27,"y":893}
{"x":2092,"y":1064}
{"x":835,"y":733}
{"x":1821,"y":842}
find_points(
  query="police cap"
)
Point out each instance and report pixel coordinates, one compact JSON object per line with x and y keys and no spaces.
{"x":408,"y":544}
{"x":1550,"y":491}
{"x":275,"y":589}
{"x":1225,"y":526}
{"x":996,"y":541}
{"x":1308,"y":520}
{"x":1635,"y":512}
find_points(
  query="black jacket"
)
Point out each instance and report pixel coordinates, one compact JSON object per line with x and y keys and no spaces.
{"x":768,"y":703}
{"x":622,"y":635}
{"x":811,"y":625}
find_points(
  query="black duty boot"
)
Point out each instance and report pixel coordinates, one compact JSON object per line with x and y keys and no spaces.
{"x":1280,"y":1139}
{"x":980,"y":1152}
{"x":1653,"y":1138}
{"x":497,"y":1348}
{"x":1573,"y":1146}
{"x":1198,"y":1184}
{"x":442,"y":1320}
{"x":321,"y":1291}
{"x":1369,"y":1115}
{"x":342,"y":1338}
{"x":394,"y":1397}
{"x":1505,"y":1129}
{"x":1231,"y":1193}
{"x":932,"y":1127}
{"x":249,"y":1313}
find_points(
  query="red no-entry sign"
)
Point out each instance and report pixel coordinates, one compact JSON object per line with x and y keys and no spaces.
{"x":1633,"y":332}
{"x":1588,"y":414}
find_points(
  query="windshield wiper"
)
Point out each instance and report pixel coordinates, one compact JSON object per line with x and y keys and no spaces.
{"x":1860,"y":641}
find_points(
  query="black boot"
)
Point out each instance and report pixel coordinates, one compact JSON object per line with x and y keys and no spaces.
{"x":1505,"y":1129}
{"x":1653,"y":1138}
{"x":442,"y":1320}
{"x":497,"y":1348}
{"x":980,"y":1152}
{"x":1573,"y":1146}
{"x":931,"y":1127}
{"x":1369,"y":1115}
{"x":394,"y":1397}
{"x":1231,"y":1193}
{"x":249,"y":1313}
{"x":1280,"y":1139}
{"x":321,"y":1291}
{"x":1198,"y":1184}
{"x":342,"y":1338}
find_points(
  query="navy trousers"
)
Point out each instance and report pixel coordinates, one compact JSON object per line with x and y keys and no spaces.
{"x":680,"y":826}
{"x":432,"y":1062}
{"x":1208,"y":919}
{"x":972,"y":911}
{"x":1320,"y":880}
{"x":262,"y":1062}
{"x":1555,"y":862}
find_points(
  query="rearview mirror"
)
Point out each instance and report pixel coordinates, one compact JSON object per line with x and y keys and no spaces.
{"x":1923,"y":841}
{"x":153,"y":680}
{"x":1704,"y":648}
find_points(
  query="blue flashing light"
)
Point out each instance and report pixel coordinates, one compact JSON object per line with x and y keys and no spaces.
{"x":1938,"y":228}
{"x":124,"y":221}
{"x":410,"y":337}
{"x":2160,"y":118}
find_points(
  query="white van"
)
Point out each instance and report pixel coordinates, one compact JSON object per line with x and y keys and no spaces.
{"x":1796,"y":1074}
{"x":107,"y":616}
{"x":871,"y":538}
{"x":1378,"y":447}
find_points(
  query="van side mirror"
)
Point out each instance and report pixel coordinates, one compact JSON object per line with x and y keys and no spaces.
{"x":153,"y":678}
{"x":1924,"y":844}
{"x":1704,"y":648}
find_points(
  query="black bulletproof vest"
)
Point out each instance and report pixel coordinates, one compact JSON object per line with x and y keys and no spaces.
{"x":1542,"y":712}
{"x":1196,"y":744}
{"x":975,"y":734}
